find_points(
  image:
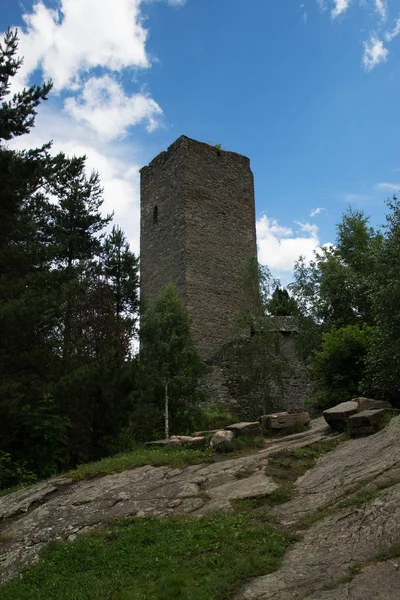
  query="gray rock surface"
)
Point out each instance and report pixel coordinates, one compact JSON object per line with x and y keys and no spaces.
{"x":366,"y":422}
{"x":370,"y":403}
{"x":337,"y":417}
{"x":379,"y":581}
{"x":284,"y":420}
{"x":346,"y":536}
{"x":54,"y":510}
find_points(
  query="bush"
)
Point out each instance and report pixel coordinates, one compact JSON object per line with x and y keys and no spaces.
{"x":338,"y":368}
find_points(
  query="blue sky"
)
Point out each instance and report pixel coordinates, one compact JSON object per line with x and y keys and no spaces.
{"x":307,"y":89}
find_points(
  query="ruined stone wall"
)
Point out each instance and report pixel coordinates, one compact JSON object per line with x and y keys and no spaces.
{"x":204,"y":235}
{"x":223,"y":387}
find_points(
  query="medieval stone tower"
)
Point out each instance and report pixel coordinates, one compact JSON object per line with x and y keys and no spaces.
{"x":197,"y":231}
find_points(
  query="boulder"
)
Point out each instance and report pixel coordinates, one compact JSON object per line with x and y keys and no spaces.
{"x":284,"y":420}
{"x":188,"y":440}
{"x":220,"y":439}
{"x":370,"y":404}
{"x":204,"y":433}
{"x":337,"y":417}
{"x":253,"y":428}
{"x":366,"y":422}
{"x":165,"y":443}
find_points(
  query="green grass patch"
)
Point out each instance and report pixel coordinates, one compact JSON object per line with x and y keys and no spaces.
{"x":388,"y":553}
{"x":155,"y":559}
{"x":157,"y":457}
{"x":359,"y":499}
{"x":289,"y":464}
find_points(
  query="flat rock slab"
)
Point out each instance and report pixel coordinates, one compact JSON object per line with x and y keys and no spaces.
{"x":53,"y":511}
{"x":364,"y":463}
{"x":284,"y":420}
{"x":347,"y":536}
{"x":337,"y":417}
{"x":253,"y":429}
{"x":256,"y":485}
{"x":370,"y":403}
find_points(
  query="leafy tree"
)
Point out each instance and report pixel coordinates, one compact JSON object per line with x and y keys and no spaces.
{"x":338,"y":369}
{"x":334,"y":289}
{"x":383,"y":363}
{"x":170,"y":364}
{"x":255,"y":357}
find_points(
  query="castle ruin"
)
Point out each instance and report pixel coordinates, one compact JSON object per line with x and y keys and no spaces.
{"x":197,"y":231}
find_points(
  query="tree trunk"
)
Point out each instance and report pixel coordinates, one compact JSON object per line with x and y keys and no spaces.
{"x":166,"y":411}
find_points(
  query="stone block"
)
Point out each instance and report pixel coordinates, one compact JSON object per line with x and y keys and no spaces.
{"x":205,"y":433}
{"x":337,"y":417}
{"x":284,"y":420}
{"x":370,"y":404}
{"x":245,"y":428}
{"x":366,"y":422}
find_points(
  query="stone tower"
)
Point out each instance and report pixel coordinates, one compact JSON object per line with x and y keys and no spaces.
{"x":197,"y":231}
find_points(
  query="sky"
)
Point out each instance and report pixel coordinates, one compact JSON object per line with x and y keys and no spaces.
{"x":308,"y":90}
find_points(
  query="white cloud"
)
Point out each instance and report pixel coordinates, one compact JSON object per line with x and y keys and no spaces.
{"x":279,"y":247}
{"x":393,"y":187}
{"x":80,"y":35}
{"x":374,"y":52}
{"x":381,"y":8}
{"x":106,"y":108}
{"x":118,"y":163}
{"x":340,"y":7}
{"x":395,"y":31}
{"x":316,"y":211}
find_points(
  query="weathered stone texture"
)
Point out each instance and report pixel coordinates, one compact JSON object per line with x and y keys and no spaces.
{"x":204,"y":234}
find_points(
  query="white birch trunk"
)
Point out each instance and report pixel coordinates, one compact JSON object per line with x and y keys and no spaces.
{"x":166,"y":411}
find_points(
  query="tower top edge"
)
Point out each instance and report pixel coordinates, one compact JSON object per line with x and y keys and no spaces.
{"x":184,"y":144}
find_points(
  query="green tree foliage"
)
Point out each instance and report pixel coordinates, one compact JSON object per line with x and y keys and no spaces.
{"x":281,"y":304}
{"x":255,"y":357}
{"x":338,"y":369}
{"x":121,"y":273}
{"x":383,"y":364}
{"x":170,"y":365}
{"x":67,"y":303}
{"x":334,"y":289}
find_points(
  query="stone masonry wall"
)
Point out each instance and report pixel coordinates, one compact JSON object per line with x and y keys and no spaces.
{"x":205,"y":232}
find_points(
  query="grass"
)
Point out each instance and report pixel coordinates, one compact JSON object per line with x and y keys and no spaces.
{"x":155,"y":559}
{"x":288,"y":465}
{"x":157,"y":457}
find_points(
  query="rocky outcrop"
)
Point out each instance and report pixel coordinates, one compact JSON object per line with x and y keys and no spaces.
{"x":350,"y":530}
{"x":60,"y":509}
